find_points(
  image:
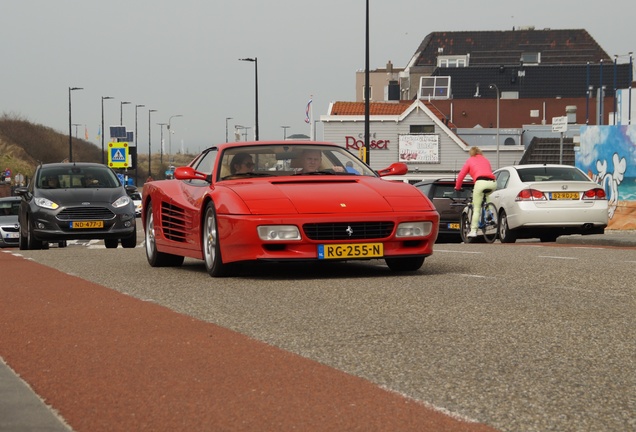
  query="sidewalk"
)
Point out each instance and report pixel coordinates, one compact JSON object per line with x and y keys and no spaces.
{"x":619,"y":238}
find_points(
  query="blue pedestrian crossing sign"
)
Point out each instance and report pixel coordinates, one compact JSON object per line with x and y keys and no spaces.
{"x":118,"y":155}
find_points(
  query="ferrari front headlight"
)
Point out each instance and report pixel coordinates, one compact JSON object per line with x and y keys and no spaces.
{"x":278,"y":232}
{"x":413,"y":229}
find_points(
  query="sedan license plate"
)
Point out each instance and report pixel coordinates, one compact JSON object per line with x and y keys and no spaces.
{"x":357,"y":250}
{"x":12,"y":235}
{"x":87,"y":224}
{"x":564,"y":195}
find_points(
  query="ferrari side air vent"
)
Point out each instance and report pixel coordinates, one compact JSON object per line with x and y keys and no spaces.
{"x":173,"y":222}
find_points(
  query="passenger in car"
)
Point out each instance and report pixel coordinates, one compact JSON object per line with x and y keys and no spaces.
{"x":52,"y":182}
{"x":241,"y":163}
{"x":310,"y":160}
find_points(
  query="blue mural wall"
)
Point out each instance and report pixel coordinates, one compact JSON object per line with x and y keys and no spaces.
{"x":608,"y":155}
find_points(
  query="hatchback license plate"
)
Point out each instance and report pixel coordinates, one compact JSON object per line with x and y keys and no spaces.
{"x":564,"y":195}
{"x":87,"y":224}
{"x":358,"y":250}
{"x":453,"y":226}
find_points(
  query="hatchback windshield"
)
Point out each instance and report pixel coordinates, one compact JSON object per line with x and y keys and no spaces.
{"x":77,"y":177}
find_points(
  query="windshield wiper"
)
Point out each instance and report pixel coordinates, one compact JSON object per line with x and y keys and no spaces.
{"x":247,"y":175}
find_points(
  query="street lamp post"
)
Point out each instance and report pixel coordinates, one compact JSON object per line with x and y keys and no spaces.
{"x":170,"y":136}
{"x":226,"y":119}
{"x":161,"y":125}
{"x":498,"y":97}
{"x":121,"y":112}
{"x":285,"y":132}
{"x":70,"y":124}
{"x":150,"y":111}
{"x":255,"y":61}
{"x":244,"y":128}
{"x":76,"y":125}
{"x":103,"y":132}
{"x":136,"y":146}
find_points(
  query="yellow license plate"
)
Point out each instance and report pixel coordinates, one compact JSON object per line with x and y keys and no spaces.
{"x":87,"y":224}
{"x":357,"y":250}
{"x":564,"y":195}
{"x":453,"y":226}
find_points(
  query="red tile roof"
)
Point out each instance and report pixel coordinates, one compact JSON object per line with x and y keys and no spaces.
{"x":383,"y":108}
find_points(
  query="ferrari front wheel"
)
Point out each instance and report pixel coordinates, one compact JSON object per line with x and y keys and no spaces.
{"x":211,"y":246}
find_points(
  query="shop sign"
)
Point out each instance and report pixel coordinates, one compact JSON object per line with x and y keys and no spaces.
{"x":354,"y":143}
{"x":418,"y":148}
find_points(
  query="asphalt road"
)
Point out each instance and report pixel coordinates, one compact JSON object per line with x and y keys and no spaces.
{"x":523,"y":337}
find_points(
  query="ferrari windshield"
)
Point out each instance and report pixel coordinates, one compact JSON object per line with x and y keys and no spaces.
{"x":287,"y":160}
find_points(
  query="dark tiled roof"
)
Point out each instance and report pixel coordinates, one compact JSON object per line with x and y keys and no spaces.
{"x":488,"y":48}
{"x":536,"y":81}
{"x":383,"y":108}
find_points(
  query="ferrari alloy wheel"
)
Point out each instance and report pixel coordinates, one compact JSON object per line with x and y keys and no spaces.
{"x":156,"y":258}
{"x":211,"y":247}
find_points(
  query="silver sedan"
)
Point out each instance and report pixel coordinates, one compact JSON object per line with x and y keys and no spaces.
{"x":547,"y":201}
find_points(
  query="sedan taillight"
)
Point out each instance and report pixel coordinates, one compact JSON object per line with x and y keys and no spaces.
{"x":596,"y":193}
{"x":530,"y":195}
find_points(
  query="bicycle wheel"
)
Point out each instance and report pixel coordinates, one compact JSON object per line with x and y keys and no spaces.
{"x":467,"y":216}
{"x":489,"y":215}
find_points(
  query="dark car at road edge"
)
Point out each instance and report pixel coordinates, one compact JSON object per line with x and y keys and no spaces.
{"x":74,"y":201}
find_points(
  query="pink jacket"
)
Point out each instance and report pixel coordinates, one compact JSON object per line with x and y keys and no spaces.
{"x":477,"y":166}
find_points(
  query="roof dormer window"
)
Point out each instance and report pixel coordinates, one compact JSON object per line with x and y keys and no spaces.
{"x":435,"y":87}
{"x":530,"y":58}
{"x":450,"y":61}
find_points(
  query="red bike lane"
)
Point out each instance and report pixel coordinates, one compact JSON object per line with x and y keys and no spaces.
{"x":110,"y":362}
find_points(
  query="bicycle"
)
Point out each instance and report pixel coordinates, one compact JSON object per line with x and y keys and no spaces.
{"x":488,"y":220}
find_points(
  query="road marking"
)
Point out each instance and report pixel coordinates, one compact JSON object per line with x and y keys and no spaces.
{"x":557,"y":257}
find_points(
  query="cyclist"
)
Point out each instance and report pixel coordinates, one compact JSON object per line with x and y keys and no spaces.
{"x":479,"y":169}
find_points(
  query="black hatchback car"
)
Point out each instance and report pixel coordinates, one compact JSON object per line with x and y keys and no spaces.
{"x":449,"y":203}
{"x":71,"y":201}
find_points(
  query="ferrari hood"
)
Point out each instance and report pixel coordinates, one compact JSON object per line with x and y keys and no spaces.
{"x":368,"y":195}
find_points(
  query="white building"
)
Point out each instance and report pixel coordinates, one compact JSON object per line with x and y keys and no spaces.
{"x":413,"y":132}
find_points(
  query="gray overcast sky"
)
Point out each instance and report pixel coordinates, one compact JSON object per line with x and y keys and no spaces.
{"x":181,"y":57}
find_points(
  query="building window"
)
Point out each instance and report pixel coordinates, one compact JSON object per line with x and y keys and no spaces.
{"x":435,"y":87}
{"x":452,"y":61}
{"x":531,"y":58}
{"x":364,"y":93}
{"x":414,"y":129}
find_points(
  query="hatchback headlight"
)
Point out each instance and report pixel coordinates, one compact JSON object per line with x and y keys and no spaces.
{"x":278,"y":232}
{"x":122,"y":201}
{"x":413,"y":229}
{"x":45,"y":203}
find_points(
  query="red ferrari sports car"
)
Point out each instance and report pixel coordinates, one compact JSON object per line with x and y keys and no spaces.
{"x":282,"y":201}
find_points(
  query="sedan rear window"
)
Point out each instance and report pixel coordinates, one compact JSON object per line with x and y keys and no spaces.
{"x":541,"y":174}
